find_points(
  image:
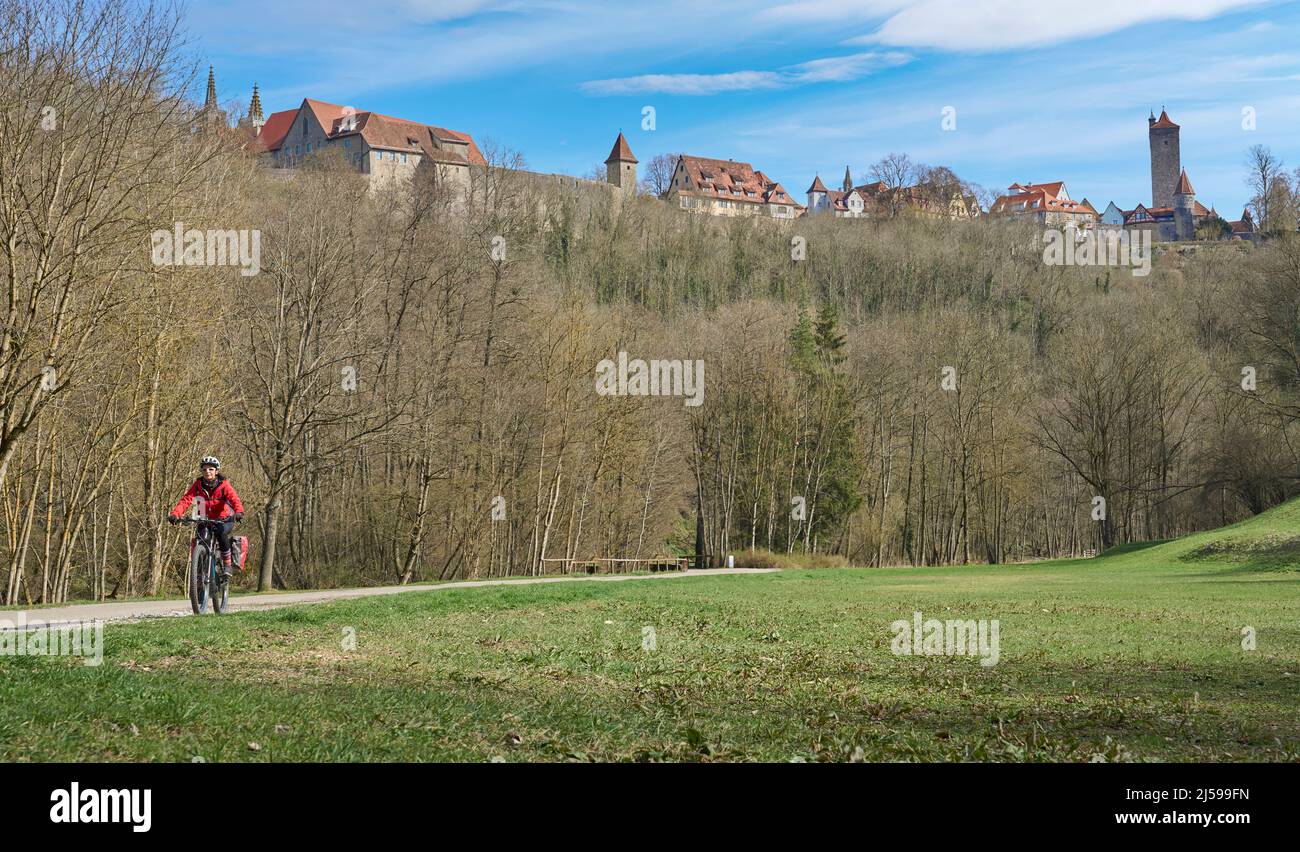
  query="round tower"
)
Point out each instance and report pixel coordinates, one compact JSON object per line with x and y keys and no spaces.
{"x":1184,"y":209}
{"x":1165,"y":160}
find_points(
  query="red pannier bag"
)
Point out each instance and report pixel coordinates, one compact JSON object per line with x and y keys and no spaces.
{"x":238,"y":550}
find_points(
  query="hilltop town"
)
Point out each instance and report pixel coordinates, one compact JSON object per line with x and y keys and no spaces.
{"x":389,"y":150}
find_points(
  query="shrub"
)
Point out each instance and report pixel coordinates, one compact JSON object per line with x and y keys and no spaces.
{"x":768,"y":559}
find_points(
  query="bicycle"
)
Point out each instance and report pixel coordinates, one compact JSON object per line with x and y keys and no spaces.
{"x":206,"y":584}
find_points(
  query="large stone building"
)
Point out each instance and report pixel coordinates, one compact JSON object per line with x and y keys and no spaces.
{"x":728,"y":188}
{"x":1048,"y":204}
{"x":390,"y":151}
{"x":385,"y":148}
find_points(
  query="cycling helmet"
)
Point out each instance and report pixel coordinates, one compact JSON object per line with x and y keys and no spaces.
{"x":210,"y":460}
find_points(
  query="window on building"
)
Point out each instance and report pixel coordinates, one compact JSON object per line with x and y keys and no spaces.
{"x":379,"y":155}
{"x":308,"y":147}
{"x":403,"y":157}
{"x":347,"y":143}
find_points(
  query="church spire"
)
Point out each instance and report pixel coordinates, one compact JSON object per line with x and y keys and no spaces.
{"x":255,"y":110}
{"x":848,"y":180}
{"x":210,"y":102}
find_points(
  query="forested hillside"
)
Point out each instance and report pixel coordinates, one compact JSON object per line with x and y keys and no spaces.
{"x":407,"y":388}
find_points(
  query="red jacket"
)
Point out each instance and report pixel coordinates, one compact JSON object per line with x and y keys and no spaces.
{"x":218,"y":504}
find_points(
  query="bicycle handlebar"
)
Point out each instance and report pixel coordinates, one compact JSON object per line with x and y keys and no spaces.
{"x":197,"y":521}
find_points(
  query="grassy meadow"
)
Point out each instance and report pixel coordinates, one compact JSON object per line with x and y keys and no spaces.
{"x":1133,"y":656}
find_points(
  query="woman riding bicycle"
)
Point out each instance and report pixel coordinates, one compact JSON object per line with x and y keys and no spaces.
{"x":217,"y":502}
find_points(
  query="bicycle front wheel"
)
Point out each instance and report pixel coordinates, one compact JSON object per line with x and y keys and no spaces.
{"x":199,"y":582}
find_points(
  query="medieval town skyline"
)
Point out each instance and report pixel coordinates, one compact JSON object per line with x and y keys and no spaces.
{"x":1032,"y":101}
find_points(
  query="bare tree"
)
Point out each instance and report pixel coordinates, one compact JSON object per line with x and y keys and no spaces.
{"x":89,"y":115}
{"x":658,"y":175}
{"x":1262,"y":175}
{"x":895,"y":173}
{"x":304,"y":331}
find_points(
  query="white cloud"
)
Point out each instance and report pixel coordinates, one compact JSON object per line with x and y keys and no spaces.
{"x":426,"y":11}
{"x":1009,"y":24}
{"x":836,"y":69}
{"x":833,"y":11}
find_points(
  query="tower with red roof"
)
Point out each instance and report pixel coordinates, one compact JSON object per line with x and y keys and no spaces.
{"x":620,"y":166}
{"x":1184,"y":212}
{"x":1166,"y":163}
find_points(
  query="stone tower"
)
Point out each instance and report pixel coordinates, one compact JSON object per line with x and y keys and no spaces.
{"x":255,"y":111}
{"x":816,"y":195}
{"x":1184,"y":209}
{"x":620,"y":166}
{"x":1165,"y":161}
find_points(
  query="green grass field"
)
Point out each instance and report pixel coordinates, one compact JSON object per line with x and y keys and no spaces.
{"x":1136,"y":655}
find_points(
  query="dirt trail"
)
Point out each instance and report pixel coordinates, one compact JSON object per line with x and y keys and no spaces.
{"x":136,"y":609}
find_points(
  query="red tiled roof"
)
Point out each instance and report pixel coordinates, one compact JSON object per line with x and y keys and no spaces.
{"x":326,"y":113}
{"x":395,"y":134}
{"x":379,"y":131}
{"x":1053,"y":189}
{"x":399,"y":134}
{"x":273,"y":132}
{"x":1039,"y":196}
{"x":1164,"y":121}
{"x":1139,"y":214}
{"x":1184,"y":185}
{"x":840,"y":199}
{"x":475,"y":155}
{"x":817,"y":185}
{"x":732,"y":181}
{"x":621,"y":152}
{"x":1199,"y":211}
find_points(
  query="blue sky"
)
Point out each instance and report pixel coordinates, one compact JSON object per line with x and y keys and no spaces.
{"x":1042,"y":90}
